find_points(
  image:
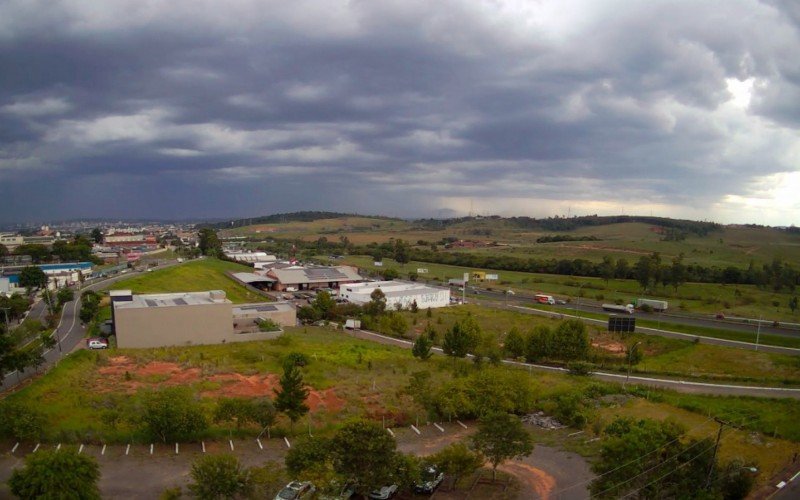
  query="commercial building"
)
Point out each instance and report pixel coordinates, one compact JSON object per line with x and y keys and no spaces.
{"x":310,"y":278}
{"x":58,"y":275}
{"x":404,"y":293}
{"x":195,"y":318}
{"x":251,"y":257}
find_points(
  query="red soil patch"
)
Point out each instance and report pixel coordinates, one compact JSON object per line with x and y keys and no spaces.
{"x":167,"y":373}
{"x":609,"y":345}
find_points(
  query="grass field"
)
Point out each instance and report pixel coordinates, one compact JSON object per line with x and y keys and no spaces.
{"x":662,"y":356}
{"x":193,"y":276}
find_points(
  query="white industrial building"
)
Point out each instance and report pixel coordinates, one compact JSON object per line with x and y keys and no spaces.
{"x":397,"y":292}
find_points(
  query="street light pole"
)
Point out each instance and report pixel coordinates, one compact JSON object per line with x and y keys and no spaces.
{"x":758,"y":331}
{"x":630,"y":359}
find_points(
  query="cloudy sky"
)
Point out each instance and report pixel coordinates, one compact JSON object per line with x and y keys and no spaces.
{"x":190,"y":108}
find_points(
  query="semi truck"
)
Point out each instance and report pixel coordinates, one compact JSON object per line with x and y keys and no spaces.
{"x":627,"y":309}
{"x":544,"y":299}
{"x":656,"y":305}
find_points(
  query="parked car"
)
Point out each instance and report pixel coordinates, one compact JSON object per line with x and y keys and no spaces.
{"x":430,"y":479}
{"x":384,"y":492}
{"x":296,"y":490}
{"x":97,"y":343}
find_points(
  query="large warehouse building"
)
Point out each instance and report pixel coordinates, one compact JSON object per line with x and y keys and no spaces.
{"x":179,"y":319}
{"x":397,"y":292}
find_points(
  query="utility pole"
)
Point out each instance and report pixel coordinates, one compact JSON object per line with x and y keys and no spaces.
{"x":758,"y":331}
{"x":722,"y":425}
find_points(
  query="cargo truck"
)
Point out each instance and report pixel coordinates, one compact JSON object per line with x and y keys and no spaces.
{"x":544,"y":299}
{"x":656,"y":305}
{"x":352,"y":324}
{"x":628,"y":309}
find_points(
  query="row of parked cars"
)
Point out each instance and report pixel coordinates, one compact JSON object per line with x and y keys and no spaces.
{"x":431,"y":478}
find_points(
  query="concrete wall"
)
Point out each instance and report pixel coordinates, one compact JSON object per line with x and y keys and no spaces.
{"x":173,"y":325}
{"x":283,"y":318}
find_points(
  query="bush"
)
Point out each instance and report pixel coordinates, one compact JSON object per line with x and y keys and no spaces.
{"x":296,"y":359}
{"x":172,"y":414}
{"x":21,"y":421}
{"x":219,"y":476}
{"x":579,"y":368}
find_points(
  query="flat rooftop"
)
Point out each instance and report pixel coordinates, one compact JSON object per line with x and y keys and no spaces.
{"x":245,"y":309}
{"x":391,"y":288}
{"x":174,"y":300}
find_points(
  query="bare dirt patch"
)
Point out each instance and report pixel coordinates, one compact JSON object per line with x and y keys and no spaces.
{"x":123,"y":374}
{"x":610,"y":346}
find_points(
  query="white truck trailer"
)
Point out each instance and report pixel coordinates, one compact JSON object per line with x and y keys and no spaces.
{"x":656,"y":305}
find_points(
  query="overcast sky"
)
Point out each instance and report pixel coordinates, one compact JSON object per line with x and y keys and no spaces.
{"x":181,"y":109}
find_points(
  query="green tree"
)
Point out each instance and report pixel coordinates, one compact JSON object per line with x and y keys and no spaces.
{"x":32,"y":277}
{"x":514,"y":345}
{"x":209,"y":242}
{"x":422,"y":347}
{"x":3,"y":250}
{"x":622,"y":269}
{"x":455,"y":343}
{"x":97,"y":235}
{"x":65,"y":295}
{"x":238,"y":410}
{"x":51,"y":474}
{"x":571,"y":340}
{"x":394,"y":324}
{"x":627,"y":463}
{"x":21,"y":421}
{"x":793,"y":304}
{"x":219,"y":476}
{"x":324,"y":304}
{"x":607,"y":268}
{"x":310,"y":459}
{"x":677,"y":274}
{"x":264,"y":413}
{"x":172,"y":414}
{"x":500,"y":437}
{"x":290,"y":398}
{"x":364,"y":452}
{"x":377,"y":303}
{"x":644,"y":272}
{"x":401,"y":252}
{"x":457,"y":460}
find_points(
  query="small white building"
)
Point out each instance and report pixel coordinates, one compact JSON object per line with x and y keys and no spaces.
{"x":397,"y":292}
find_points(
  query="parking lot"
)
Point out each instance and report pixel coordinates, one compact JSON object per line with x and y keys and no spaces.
{"x":145,"y":470}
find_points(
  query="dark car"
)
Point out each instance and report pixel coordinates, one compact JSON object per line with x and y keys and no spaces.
{"x":430,"y":479}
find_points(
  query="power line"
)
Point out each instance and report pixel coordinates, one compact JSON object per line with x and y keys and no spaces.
{"x":663,"y":462}
{"x":634,"y":460}
{"x":684,"y":464}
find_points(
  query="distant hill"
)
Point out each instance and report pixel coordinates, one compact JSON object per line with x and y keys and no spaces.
{"x":287,"y":217}
{"x":572,"y":223}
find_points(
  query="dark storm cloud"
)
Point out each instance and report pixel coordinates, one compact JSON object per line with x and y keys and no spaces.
{"x":191,"y":108}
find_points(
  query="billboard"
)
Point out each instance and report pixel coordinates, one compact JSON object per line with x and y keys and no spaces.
{"x":622,"y":324}
{"x":492,"y":277}
{"x":422,"y":270}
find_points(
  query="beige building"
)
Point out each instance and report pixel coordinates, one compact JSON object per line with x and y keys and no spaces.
{"x":195,"y":318}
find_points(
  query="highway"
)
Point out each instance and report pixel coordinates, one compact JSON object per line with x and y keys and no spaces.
{"x":498,"y":299}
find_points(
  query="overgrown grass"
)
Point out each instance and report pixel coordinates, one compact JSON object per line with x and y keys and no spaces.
{"x":664,"y":356}
{"x":194,"y":276}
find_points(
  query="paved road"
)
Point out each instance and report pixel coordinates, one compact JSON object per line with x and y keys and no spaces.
{"x":792,"y":351}
{"x":678,"y":385}
{"x":680,"y":319}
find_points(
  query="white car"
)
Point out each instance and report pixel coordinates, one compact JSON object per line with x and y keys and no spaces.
{"x":97,"y":344}
{"x":384,"y":493}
